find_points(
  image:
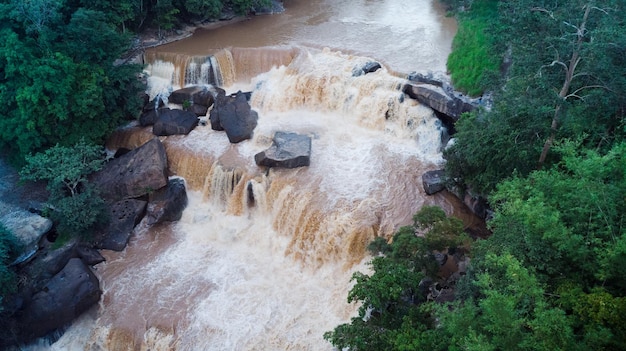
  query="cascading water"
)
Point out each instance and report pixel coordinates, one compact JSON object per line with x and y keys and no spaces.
{"x":262,"y":260}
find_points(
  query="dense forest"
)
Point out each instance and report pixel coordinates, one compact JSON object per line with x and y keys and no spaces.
{"x":550,"y":157}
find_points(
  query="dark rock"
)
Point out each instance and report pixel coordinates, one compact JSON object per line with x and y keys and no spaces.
{"x":477,"y":204}
{"x":369,"y":67}
{"x":289,"y":150}
{"x":167,"y":204}
{"x":439,"y":100}
{"x":172,"y":122}
{"x":47,"y":263}
{"x":89,"y":255}
{"x":67,"y":295}
{"x":154,"y":104}
{"x":428,"y":78}
{"x":433,"y":181}
{"x":220,"y":101}
{"x":134,"y":174}
{"x":234,"y":115}
{"x":198,"y":110}
{"x":150,"y":117}
{"x":200,"y":95}
{"x":124,"y":216}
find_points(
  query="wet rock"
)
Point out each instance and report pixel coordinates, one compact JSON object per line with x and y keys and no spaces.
{"x":47,"y":263}
{"x":67,"y":295}
{"x":172,"y":122}
{"x":134,"y":174}
{"x":433,"y":181}
{"x":89,"y":255}
{"x":439,"y":100}
{"x":369,"y":67}
{"x":199,"y":110}
{"x":200,"y":95}
{"x":167,"y":204}
{"x":289,"y":150}
{"x":28,"y":228}
{"x":124,"y":216}
{"x":234,"y":115}
{"x":150,"y":117}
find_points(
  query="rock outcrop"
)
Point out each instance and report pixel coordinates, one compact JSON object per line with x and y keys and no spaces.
{"x":172,"y":122}
{"x":289,"y":150}
{"x":196,"y":94}
{"x":68,"y":294}
{"x":167,"y":204}
{"x":124,"y":216}
{"x":134,"y":174}
{"x":433,"y":181}
{"x":437,"y":98}
{"x":234,"y":115}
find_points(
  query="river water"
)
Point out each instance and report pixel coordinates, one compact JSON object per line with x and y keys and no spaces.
{"x":262,"y":260}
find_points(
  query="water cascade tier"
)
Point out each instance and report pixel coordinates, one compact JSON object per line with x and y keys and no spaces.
{"x":262,"y":258}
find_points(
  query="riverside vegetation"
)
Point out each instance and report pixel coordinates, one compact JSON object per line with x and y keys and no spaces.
{"x":549,"y":155}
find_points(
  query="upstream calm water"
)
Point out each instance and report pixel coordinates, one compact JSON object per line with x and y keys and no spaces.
{"x":405,"y":35}
{"x":274,"y":273}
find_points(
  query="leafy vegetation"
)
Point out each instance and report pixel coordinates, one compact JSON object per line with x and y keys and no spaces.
{"x":472,"y":62}
{"x":568,"y":69}
{"x":550,"y":156}
{"x":392,"y":301}
{"x":8,"y":250}
{"x":75,"y":205}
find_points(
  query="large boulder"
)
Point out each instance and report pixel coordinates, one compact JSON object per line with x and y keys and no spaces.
{"x":439,"y":100}
{"x":234,"y":115}
{"x":289,"y":150}
{"x":172,"y":122}
{"x":47,"y":263}
{"x":124,"y":216}
{"x":68,"y":294}
{"x":167,"y":204}
{"x":135,"y":173}
{"x":200,"y":95}
{"x":28,"y":228}
{"x":150,"y":117}
{"x":433,"y":181}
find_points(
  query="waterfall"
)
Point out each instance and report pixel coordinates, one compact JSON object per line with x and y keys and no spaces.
{"x":262,"y":259}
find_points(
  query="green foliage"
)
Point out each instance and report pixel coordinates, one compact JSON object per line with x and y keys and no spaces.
{"x":493,"y":145}
{"x":59,"y":81}
{"x":473,"y":60}
{"x":76,"y":205}
{"x":8,"y":249}
{"x":391,"y":314}
{"x":204,"y":9}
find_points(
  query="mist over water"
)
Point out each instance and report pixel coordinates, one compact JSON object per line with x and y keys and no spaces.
{"x":262,"y":259}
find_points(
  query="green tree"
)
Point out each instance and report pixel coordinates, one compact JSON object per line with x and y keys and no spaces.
{"x":560,"y":73}
{"x":76,"y":206}
{"x":58,"y":91}
{"x":391,"y":311}
{"x":8,"y":250}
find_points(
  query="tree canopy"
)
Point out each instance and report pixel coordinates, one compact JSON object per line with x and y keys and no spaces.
{"x":550,"y":157}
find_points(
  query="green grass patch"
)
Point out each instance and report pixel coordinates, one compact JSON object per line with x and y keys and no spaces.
{"x":473,"y":59}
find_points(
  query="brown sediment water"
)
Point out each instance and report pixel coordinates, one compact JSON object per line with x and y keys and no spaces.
{"x":262,"y":259}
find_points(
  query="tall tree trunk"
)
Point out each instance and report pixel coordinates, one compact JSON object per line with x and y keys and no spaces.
{"x":564,"y":93}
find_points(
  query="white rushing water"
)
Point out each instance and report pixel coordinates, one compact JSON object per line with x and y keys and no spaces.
{"x":273,"y":274}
